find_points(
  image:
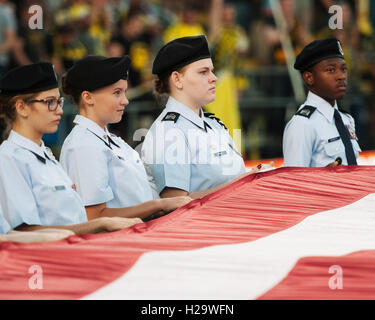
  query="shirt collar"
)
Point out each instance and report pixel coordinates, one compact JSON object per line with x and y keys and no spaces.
{"x":26,"y":143}
{"x":23,"y":142}
{"x":186,"y":112}
{"x":322,"y":105}
{"x":92,"y":126}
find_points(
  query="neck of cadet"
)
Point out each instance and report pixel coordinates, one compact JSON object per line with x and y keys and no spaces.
{"x":187,"y":102}
{"x":28,"y":133}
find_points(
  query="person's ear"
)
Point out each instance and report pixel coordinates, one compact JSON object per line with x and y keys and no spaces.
{"x":87,"y":98}
{"x":308,"y":77}
{"x":22,"y":108}
{"x":176,"y":80}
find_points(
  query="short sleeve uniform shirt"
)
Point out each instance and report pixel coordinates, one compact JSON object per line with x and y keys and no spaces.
{"x":190,"y":152}
{"x":311,"y":138}
{"x":34,"y":188}
{"x":103,"y":167}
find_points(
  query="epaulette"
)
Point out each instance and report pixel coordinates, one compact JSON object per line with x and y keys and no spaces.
{"x":212,"y":116}
{"x":171,"y":116}
{"x":306,"y":111}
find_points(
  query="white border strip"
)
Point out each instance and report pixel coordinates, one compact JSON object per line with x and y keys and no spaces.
{"x":247,"y":270}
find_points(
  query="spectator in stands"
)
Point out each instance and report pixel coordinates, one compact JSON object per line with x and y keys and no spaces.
{"x":67,"y":48}
{"x":32,"y":45}
{"x":102,"y":24}
{"x":7,"y":34}
{"x":135,"y":42}
{"x":187,"y":25}
{"x":230,"y":42}
{"x":7,"y":41}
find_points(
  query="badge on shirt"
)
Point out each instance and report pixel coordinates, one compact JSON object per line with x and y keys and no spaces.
{"x":171,"y":116}
{"x":351,"y":131}
{"x":220,"y":153}
{"x":333,"y":139}
{"x":58,"y":188}
{"x":306,"y":111}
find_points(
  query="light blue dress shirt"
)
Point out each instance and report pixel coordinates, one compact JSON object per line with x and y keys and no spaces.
{"x":104,"y":168}
{"x":4,"y":225}
{"x":34,"y":188}
{"x":315,"y":141}
{"x":190,"y":152}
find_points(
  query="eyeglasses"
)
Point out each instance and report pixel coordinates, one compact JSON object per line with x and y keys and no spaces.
{"x":52,"y":103}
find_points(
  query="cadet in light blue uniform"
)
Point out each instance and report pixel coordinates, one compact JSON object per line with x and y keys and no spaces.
{"x":107,"y":172}
{"x":319,"y":134}
{"x":34,"y":188}
{"x":121,"y":183}
{"x":186,"y":150}
{"x":312,"y":140}
{"x":35,"y":191}
{"x":189,"y":152}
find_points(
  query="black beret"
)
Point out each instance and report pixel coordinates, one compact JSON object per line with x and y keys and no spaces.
{"x":95,"y":72}
{"x":180,"y":52}
{"x":31,"y":78}
{"x":317,"y":51}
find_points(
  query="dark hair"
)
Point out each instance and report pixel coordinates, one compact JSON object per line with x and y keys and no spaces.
{"x":70,"y":90}
{"x":161,"y":84}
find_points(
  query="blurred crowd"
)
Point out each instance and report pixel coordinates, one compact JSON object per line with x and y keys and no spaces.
{"x":242,"y":34}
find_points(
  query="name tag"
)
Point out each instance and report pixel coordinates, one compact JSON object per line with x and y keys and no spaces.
{"x":333,"y":139}
{"x":220,"y":153}
{"x":58,"y":188}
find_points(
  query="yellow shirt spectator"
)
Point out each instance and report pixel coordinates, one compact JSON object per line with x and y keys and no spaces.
{"x":180,"y":30}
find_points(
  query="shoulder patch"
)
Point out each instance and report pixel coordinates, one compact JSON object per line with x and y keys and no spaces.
{"x":171,"y":116}
{"x":306,"y":111}
{"x":212,"y":116}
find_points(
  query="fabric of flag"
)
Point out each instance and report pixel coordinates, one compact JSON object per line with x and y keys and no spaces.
{"x":289,"y":233}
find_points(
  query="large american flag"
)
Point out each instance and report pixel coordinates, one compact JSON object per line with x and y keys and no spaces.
{"x":289,"y":233}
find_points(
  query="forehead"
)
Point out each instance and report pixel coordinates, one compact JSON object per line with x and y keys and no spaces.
{"x":121,"y":84}
{"x":330,"y":61}
{"x":48,"y":93}
{"x":203,"y":63}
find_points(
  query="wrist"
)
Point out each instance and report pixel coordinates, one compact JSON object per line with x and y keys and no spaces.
{"x":101,"y":224}
{"x":159,"y":205}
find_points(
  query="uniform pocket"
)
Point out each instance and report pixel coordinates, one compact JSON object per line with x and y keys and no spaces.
{"x":333,"y":148}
